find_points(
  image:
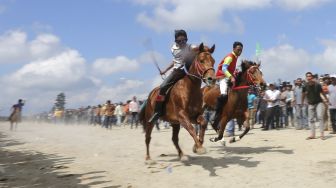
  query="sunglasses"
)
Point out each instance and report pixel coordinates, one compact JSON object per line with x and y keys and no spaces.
{"x":181,"y":41}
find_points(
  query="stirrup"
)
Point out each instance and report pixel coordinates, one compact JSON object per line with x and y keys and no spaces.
{"x":154,"y":118}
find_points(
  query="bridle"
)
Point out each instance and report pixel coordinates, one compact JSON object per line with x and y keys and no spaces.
{"x":250,"y":78}
{"x":201,"y":70}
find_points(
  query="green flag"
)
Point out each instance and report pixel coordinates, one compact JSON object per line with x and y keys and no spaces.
{"x":258,"y":50}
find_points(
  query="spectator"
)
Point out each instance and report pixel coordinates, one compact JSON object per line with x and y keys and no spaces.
{"x":283,"y":107}
{"x":126,"y":112}
{"x":313,"y":92}
{"x":251,"y":101}
{"x":134,"y":110}
{"x":262,"y":107}
{"x":332,"y":105}
{"x":98,"y":111}
{"x":108,"y":113}
{"x":301,"y":107}
{"x":289,"y":104}
{"x":119,"y":112}
{"x":272,"y":96}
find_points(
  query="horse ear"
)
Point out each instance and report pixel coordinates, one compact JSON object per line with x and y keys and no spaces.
{"x":212,"y":49}
{"x":201,"y":47}
{"x":258,"y":64}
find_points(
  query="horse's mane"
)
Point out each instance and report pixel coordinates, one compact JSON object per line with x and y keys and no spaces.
{"x":245,"y":64}
{"x":189,"y":58}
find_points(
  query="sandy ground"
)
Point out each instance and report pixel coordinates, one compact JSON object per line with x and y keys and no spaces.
{"x":46,"y":155}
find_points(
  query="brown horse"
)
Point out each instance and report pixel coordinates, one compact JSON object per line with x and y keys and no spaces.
{"x":184,"y":104}
{"x":236,"y":106}
{"x":14,"y":118}
{"x":210,"y":95}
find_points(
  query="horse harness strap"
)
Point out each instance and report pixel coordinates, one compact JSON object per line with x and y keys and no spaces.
{"x":240,"y":87}
{"x":250,"y":81}
{"x":200,"y":71}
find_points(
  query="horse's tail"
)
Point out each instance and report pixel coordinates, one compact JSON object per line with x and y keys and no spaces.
{"x":142,"y":113}
{"x":143,"y":108}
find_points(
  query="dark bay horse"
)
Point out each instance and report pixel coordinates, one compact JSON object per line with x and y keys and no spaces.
{"x":14,"y":118}
{"x":184,"y":104}
{"x":236,"y":106}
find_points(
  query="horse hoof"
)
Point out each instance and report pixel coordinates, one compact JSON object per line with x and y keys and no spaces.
{"x":213,"y":140}
{"x":234,"y":139}
{"x":184,"y":158}
{"x":150,"y":162}
{"x":223,"y":142}
{"x":194,"y":149}
{"x":201,"y":151}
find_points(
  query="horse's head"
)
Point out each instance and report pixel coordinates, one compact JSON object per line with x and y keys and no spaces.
{"x":203,"y":65}
{"x":253,"y":73}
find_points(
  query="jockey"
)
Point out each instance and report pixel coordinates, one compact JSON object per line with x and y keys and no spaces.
{"x":183,"y":53}
{"x":17,"y":107}
{"x":225,"y":74}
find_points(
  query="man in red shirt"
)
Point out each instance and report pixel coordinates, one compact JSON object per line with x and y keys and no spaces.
{"x":224,"y":73}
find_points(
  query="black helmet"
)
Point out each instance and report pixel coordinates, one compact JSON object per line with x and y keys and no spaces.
{"x":180,"y":33}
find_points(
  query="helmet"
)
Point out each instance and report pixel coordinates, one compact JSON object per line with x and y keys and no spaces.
{"x":180,"y":32}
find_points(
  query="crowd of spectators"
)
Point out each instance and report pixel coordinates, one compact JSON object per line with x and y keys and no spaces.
{"x":299,"y":104}
{"x":280,"y":105}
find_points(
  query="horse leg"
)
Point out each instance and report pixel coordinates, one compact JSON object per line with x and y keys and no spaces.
{"x":148,"y":129}
{"x":175,"y":139}
{"x":222,"y":123}
{"x":186,"y":123}
{"x":203,"y":124}
{"x":11,"y":125}
{"x":246,"y":130}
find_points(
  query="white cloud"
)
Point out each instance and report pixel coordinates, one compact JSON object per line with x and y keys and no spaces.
{"x":300,"y":4}
{"x":288,"y":62}
{"x":190,"y":14}
{"x":107,"y":66}
{"x":13,"y":47}
{"x":122,"y":92}
{"x":44,"y":45}
{"x":326,"y":61}
{"x":285,"y":62}
{"x":56,"y":72}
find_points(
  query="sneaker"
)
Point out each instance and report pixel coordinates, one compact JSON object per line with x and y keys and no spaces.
{"x":310,"y":137}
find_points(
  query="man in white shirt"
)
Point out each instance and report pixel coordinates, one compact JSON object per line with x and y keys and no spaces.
{"x":332,"y":103}
{"x":134,"y":110}
{"x":272,"y":96}
{"x":183,"y":54}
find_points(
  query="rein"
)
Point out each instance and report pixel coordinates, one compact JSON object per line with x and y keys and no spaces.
{"x":249,"y":78}
{"x":199,"y":69}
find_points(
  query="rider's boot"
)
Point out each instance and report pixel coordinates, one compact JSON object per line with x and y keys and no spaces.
{"x":158,"y":109}
{"x":221,"y":101}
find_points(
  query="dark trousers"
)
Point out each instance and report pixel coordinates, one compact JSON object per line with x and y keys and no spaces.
{"x":134,"y":119}
{"x":262,"y":115}
{"x":107,"y":122}
{"x":333,"y":118}
{"x":272,"y":117}
{"x":175,"y":76}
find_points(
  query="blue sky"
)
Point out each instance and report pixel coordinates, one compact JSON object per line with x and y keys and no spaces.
{"x":96,"y":50}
